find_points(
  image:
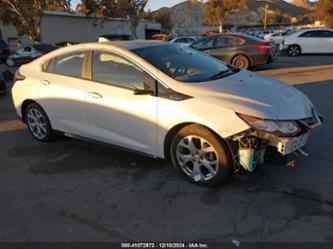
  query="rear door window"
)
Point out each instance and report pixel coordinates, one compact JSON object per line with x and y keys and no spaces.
{"x":311,"y":34}
{"x":326,"y":34}
{"x":228,"y":41}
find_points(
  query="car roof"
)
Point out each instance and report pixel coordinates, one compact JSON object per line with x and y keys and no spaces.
{"x":135,"y":44}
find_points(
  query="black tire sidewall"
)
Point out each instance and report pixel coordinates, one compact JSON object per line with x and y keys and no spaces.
{"x":225,"y":163}
{"x":49,"y":131}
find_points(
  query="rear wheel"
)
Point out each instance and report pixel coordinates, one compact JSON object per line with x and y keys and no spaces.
{"x":200,"y":156}
{"x":38,"y":123}
{"x":294,"y":50}
{"x":241,"y":62}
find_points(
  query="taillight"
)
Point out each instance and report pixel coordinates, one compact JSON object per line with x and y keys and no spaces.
{"x":18,"y":76}
{"x":263,"y":47}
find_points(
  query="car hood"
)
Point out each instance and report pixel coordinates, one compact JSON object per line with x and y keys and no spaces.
{"x":256,"y":95}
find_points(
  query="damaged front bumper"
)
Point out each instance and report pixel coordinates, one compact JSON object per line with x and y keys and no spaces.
{"x":251,"y":145}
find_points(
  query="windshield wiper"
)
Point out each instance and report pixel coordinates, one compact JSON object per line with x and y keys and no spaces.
{"x":221,"y":74}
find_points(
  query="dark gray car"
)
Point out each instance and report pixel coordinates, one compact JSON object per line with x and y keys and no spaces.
{"x":241,"y":51}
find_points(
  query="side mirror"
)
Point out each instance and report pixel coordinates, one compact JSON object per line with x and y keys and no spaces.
{"x":143,"y":91}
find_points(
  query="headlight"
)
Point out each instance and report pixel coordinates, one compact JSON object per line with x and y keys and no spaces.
{"x":272,"y":126}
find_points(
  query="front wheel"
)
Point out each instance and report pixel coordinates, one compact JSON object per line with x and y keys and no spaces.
{"x":38,"y":123}
{"x":294,"y":50}
{"x":200,"y":156}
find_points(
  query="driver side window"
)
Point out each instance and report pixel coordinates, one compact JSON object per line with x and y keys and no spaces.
{"x":115,"y":70}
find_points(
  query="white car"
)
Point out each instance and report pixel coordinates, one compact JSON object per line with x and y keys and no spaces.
{"x":316,"y":41}
{"x":163,"y":100}
{"x":278,"y":37}
{"x":185,"y":40}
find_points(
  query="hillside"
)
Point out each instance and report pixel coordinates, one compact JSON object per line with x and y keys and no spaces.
{"x":254,"y":5}
{"x":304,"y":4}
{"x":188,"y":17}
{"x":280,"y":5}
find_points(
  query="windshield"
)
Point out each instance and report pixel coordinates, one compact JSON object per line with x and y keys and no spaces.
{"x":43,"y":47}
{"x":184,"y":64}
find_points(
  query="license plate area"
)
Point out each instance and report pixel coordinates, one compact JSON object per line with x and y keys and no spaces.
{"x":289,"y":145}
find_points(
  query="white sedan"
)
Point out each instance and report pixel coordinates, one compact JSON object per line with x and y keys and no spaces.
{"x":163,"y":100}
{"x":312,"y":41}
{"x":278,"y":37}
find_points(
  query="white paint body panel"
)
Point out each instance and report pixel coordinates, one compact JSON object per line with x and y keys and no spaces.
{"x":141,"y":122}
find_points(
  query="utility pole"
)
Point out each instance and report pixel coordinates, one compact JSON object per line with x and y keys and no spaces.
{"x":265,"y":12}
{"x":265,"y":21}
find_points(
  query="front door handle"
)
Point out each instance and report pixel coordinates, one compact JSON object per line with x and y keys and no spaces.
{"x":95,"y":95}
{"x":45,"y":82}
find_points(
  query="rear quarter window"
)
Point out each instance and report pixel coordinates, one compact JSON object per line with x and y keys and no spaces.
{"x":68,"y":64}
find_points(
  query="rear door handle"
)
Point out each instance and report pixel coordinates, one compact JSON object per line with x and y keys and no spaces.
{"x":95,"y":95}
{"x":45,"y":82}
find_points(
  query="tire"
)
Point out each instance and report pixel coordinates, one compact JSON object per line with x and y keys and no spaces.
{"x":38,"y":123}
{"x":241,"y":62}
{"x":191,"y":162}
{"x":10,"y":62}
{"x":294,"y":50}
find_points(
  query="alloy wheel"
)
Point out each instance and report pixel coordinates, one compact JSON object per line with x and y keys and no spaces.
{"x":197,"y":158}
{"x":37,"y":123}
{"x":294,"y":51}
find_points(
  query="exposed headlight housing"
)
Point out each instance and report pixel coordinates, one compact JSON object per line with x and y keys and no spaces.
{"x":286,"y":128}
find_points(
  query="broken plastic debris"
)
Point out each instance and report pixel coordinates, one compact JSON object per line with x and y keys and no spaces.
{"x":291,"y":163}
{"x":236,"y":242}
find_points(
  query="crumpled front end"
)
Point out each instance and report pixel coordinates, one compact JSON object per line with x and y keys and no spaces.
{"x":250,"y":147}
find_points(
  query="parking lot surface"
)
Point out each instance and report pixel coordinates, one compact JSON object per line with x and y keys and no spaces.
{"x":70,"y":190}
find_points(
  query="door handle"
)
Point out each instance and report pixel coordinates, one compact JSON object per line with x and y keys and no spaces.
{"x":45,"y":82}
{"x":95,"y":95}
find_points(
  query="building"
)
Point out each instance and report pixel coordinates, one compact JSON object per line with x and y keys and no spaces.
{"x":62,"y":26}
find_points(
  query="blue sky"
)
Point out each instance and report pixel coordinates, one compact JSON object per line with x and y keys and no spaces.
{"x":154,"y":4}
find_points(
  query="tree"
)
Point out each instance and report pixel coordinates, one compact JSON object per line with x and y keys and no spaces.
{"x":131,"y":9}
{"x":325,"y":12}
{"x":164,"y":18}
{"x":215,"y":10}
{"x":25,"y":15}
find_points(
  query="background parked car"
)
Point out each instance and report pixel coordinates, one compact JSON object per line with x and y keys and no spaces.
{"x":314,"y":41}
{"x":28,"y":53}
{"x":186,"y":40}
{"x":161,"y":37}
{"x":115,"y":37}
{"x":278,"y":37}
{"x":241,"y":51}
{"x":65,"y":44}
{"x":4,"y":51}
